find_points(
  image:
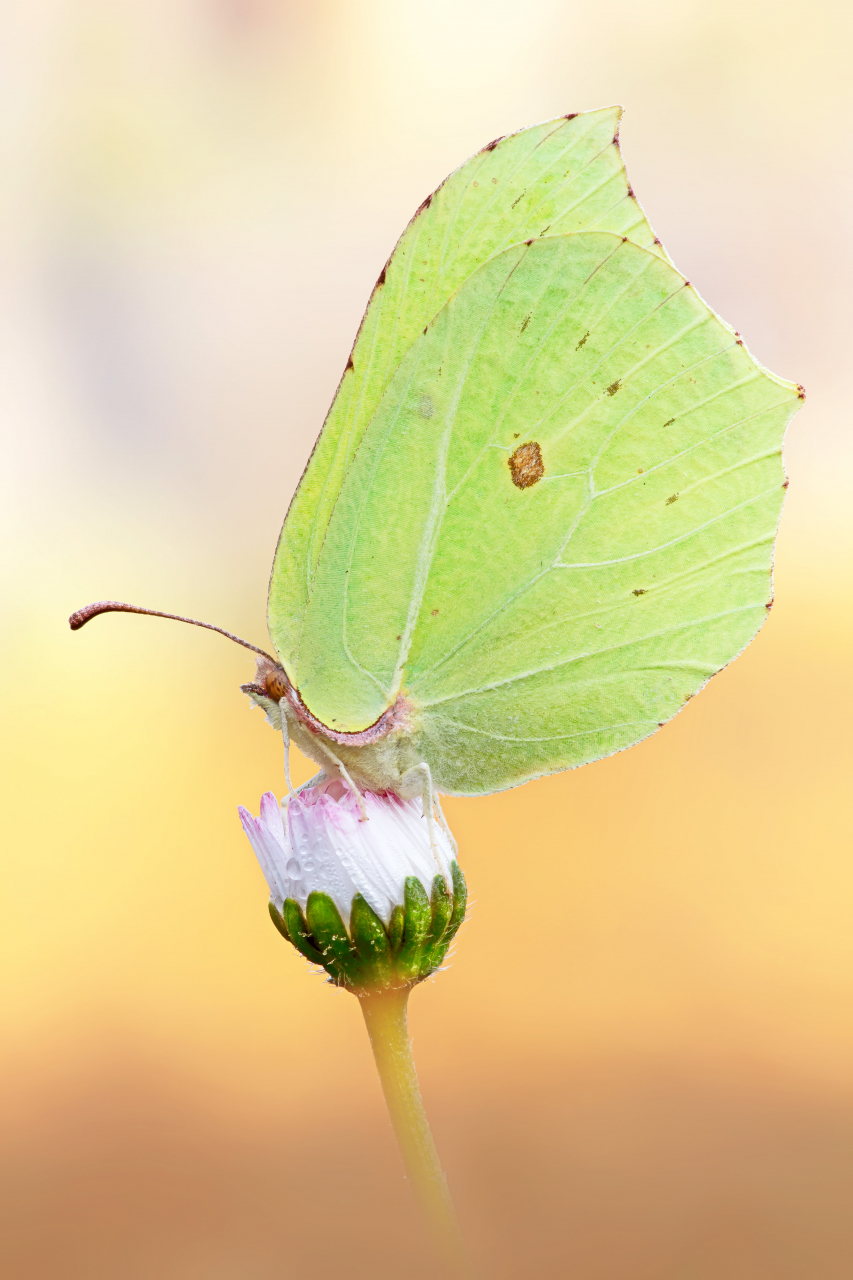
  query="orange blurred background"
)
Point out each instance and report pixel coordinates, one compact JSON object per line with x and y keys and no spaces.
{"x":640,"y":1063}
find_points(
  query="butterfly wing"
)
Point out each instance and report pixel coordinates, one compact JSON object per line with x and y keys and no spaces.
{"x":559,"y":522}
{"x":561,"y":176}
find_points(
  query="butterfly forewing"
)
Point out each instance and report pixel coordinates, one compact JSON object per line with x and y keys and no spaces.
{"x":562,"y":176}
{"x":560,"y":520}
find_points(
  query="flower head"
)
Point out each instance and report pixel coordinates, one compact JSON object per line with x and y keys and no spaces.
{"x":374,"y":902}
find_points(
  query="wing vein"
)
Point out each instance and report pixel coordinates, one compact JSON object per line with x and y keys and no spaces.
{"x":591,"y":654}
{"x":640,"y":555}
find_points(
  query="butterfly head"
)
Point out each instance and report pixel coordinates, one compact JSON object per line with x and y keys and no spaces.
{"x":275,"y":683}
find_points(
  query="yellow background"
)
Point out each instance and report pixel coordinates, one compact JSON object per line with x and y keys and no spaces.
{"x":639,"y":1063}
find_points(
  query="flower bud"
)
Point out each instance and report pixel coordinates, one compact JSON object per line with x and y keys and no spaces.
{"x":375,"y":902}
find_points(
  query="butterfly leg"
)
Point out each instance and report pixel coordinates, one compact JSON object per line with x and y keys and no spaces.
{"x":347,"y":779}
{"x":445,"y":828}
{"x":285,"y":733}
{"x":318,"y":778}
{"x":429,"y":800}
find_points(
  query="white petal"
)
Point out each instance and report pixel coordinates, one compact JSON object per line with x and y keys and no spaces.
{"x":266,"y":857}
{"x":314,"y":835}
{"x":392,"y":845}
{"x":271,"y":818}
{"x":319,"y":843}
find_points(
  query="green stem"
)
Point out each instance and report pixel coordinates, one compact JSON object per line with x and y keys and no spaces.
{"x":385,"y":1016}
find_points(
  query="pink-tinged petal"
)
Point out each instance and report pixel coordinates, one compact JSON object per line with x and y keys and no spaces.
{"x":271,"y":818}
{"x":269,"y":853}
{"x":250,"y":824}
{"x":319,"y":843}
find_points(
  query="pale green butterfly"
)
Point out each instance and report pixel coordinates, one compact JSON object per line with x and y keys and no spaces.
{"x":540,"y":514}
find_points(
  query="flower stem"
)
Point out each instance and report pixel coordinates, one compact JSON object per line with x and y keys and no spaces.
{"x":385,"y":1016}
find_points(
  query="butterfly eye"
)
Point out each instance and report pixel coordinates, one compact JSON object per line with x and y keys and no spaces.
{"x":276,"y":683}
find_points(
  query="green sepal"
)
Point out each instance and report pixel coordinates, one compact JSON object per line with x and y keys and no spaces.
{"x":298,"y":931}
{"x":442,"y":910}
{"x":369,"y":955}
{"x":435,"y":956}
{"x":371,"y":942}
{"x":278,"y":920}
{"x":460,"y":898}
{"x":396,"y":927}
{"x":417,"y":923}
{"x":328,"y":932}
{"x":448,"y":912}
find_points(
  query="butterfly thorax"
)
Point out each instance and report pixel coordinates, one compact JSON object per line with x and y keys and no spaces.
{"x":378,"y":758}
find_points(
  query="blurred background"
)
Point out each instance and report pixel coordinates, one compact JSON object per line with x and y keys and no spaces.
{"x":640,"y":1062}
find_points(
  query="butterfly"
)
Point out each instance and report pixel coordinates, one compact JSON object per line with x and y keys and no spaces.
{"x":540,"y":514}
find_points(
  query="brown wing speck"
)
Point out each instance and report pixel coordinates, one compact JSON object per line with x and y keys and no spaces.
{"x":526,"y":465}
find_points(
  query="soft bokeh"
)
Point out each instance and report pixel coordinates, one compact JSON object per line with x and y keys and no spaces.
{"x":640,"y":1062}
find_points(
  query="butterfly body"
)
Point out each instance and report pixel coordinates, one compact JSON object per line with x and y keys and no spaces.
{"x":382,"y":757}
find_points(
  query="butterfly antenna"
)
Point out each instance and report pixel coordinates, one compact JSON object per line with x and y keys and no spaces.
{"x":82,"y":616}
